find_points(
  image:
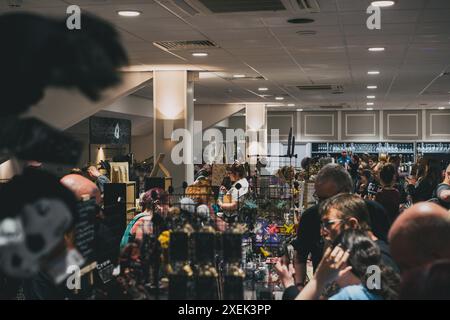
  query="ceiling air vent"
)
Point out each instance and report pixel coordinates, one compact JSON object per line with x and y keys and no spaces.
{"x":14,"y":3}
{"x":185,"y":45}
{"x":335,"y":89}
{"x":304,"y":6}
{"x":227,"y":6}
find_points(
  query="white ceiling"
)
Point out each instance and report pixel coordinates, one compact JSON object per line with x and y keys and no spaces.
{"x":416,"y":34}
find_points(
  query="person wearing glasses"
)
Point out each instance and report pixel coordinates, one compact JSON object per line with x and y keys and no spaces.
{"x":346,"y":264}
{"x":337,"y":214}
{"x":331,"y":180}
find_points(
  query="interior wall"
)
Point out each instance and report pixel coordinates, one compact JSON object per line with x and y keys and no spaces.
{"x":142,"y":147}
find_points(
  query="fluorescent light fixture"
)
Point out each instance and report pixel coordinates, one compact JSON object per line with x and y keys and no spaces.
{"x":376,"y":49}
{"x":372,"y":72}
{"x":195,"y":100}
{"x":263,"y":89}
{"x":279,"y":98}
{"x":372,"y":87}
{"x":382,"y":3}
{"x":129,"y":13}
{"x":299,"y":110}
{"x":291,"y":105}
{"x":238,"y":75}
{"x":370,"y":97}
{"x":273,"y":105}
{"x":200,"y":54}
{"x":370,"y":103}
{"x":369,"y":109}
{"x":441,"y":108}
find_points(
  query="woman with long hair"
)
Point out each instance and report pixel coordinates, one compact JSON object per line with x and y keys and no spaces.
{"x":354,"y":264}
{"x":422,"y":189}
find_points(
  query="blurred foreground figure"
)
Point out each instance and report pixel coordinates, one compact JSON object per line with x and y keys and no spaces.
{"x":420,"y":235}
{"x":429,"y":282}
{"x":37,"y":211}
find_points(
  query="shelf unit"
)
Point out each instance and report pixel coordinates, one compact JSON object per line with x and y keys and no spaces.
{"x":407,"y":149}
{"x":433,"y":147}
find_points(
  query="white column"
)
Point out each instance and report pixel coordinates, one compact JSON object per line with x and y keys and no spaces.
{"x":256,"y":126}
{"x":173,"y":108}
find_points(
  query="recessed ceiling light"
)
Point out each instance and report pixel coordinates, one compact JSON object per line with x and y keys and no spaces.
{"x":369,"y":109}
{"x":238,"y":75}
{"x":195,"y":100}
{"x":299,"y":110}
{"x":376,"y":49}
{"x":382,"y":3}
{"x":370,"y":103}
{"x":129,"y":13}
{"x":273,"y":105}
{"x":370,"y":97}
{"x":372,"y":72}
{"x":200,"y":54}
{"x":372,"y":87}
{"x":263,"y":89}
{"x":291,"y":105}
{"x":300,"y":20}
{"x":441,"y":108}
{"x":279,"y":98}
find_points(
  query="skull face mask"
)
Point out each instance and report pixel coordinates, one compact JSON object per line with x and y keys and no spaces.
{"x":43,"y":211}
{"x":44,"y":223}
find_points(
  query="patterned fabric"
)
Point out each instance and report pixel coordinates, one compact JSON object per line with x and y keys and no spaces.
{"x":144,"y":226}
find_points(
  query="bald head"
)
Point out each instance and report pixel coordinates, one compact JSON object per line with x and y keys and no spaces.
{"x":420,"y":235}
{"x":81,"y":186}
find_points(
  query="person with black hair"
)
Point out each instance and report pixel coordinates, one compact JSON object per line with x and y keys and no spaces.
{"x":350,"y":262}
{"x":364,"y":181}
{"x":353,"y":168}
{"x":228,"y":199}
{"x":422,"y":189}
{"x":388,"y":196}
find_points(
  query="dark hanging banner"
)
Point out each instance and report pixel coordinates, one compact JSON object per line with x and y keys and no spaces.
{"x":109,"y":131}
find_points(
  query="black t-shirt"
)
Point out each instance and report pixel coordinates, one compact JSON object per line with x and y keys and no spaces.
{"x":379,"y":219}
{"x":422,"y":191}
{"x":442,"y":187}
{"x":309,"y":239}
{"x":354,"y":169}
{"x":386,"y":257}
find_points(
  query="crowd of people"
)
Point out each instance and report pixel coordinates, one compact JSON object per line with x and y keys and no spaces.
{"x":372,"y":220}
{"x":375,"y":232}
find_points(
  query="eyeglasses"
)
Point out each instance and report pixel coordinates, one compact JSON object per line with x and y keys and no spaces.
{"x":316,"y":197}
{"x":326,"y":224}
